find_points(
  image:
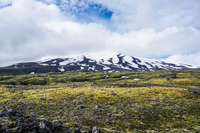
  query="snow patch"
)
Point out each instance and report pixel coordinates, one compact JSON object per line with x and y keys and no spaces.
{"x":124,"y":77}
{"x":92,"y":61}
{"x":61,"y":69}
{"x":106,"y":68}
{"x":106,"y":76}
{"x":44,"y":64}
{"x":44,"y":60}
{"x":91,"y":68}
{"x":64,"y":63}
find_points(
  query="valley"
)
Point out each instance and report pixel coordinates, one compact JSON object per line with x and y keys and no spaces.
{"x":123,"y":101}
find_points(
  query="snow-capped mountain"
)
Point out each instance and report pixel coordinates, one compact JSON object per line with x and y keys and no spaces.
{"x":87,"y":63}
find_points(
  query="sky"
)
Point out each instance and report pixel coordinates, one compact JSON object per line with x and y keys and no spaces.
{"x":167,"y":30}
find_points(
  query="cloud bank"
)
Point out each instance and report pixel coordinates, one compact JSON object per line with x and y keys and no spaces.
{"x":30,"y":30}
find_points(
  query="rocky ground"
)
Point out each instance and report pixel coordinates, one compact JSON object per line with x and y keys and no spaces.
{"x":140,"y":109}
{"x":18,"y":122}
{"x":112,"y":104}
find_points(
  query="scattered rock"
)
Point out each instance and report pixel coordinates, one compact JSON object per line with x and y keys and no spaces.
{"x":149,"y":100}
{"x":109,"y":114}
{"x":43,"y":128}
{"x":91,"y":95}
{"x":43,"y":98}
{"x":97,"y":106}
{"x":76,"y":130}
{"x":11,"y":125}
{"x":116,"y":112}
{"x":31,"y":115}
{"x":31,"y":124}
{"x":59,"y":121}
{"x":90,"y":130}
{"x":55,"y":121}
{"x":81,"y":107}
{"x":101,"y":110}
{"x":4,"y":129}
{"x":158,"y":104}
{"x":189,"y":128}
{"x":78,"y":103}
{"x":114,"y":94}
{"x":9,"y":113}
{"x":3,"y":113}
{"x":96,"y":130}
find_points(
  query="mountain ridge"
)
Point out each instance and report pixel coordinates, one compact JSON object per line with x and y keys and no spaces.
{"x":119,"y":62}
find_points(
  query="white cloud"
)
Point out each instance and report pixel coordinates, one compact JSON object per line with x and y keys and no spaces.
{"x":192,"y":58}
{"x":131,"y":15}
{"x":136,"y":14}
{"x":34,"y":30}
{"x":31,"y":30}
{"x":148,"y":42}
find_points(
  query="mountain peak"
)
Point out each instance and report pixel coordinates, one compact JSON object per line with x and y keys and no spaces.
{"x":85,"y":62}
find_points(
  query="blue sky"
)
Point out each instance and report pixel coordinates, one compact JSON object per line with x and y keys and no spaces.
{"x":85,"y":11}
{"x":35,"y":29}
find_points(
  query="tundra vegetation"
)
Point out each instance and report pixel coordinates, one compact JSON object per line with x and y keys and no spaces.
{"x":126,"y":101}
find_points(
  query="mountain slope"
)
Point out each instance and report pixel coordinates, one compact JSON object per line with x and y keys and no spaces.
{"x":85,"y":63}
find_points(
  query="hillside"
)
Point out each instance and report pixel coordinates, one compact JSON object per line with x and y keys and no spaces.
{"x":86,"y":63}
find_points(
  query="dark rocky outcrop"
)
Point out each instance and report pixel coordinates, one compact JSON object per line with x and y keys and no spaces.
{"x":20,"y":123}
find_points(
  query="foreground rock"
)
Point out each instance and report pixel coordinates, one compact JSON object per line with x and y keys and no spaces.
{"x":16,"y":122}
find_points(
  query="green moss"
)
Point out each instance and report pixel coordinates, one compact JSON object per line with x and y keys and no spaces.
{"x":111,"y":102}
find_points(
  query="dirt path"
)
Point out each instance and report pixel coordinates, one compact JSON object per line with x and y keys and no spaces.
{"x":194,"y":90}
